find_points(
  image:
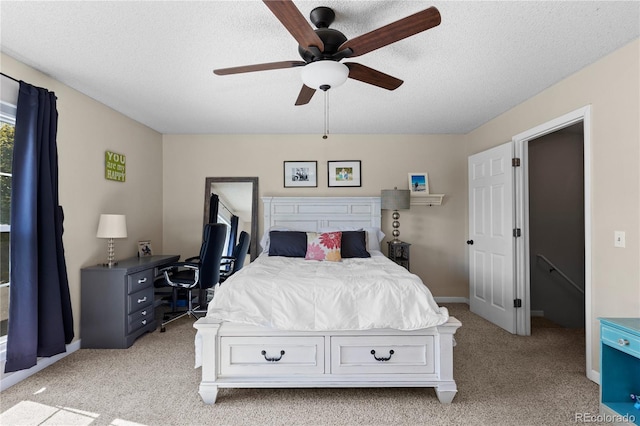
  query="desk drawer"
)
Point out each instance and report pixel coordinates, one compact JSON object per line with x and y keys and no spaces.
{"x":139,"y":281}
{"x":391,"y":355}
{"x":139,"y":319}
{"x":139,"y":300}
{"x":267,"y":356}
{"x":621,"y":340}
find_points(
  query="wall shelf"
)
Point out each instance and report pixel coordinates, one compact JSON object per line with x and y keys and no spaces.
{"x":427,"y":200}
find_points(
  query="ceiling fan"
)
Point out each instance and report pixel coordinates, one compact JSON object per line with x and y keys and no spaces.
{"x":323,"y":49}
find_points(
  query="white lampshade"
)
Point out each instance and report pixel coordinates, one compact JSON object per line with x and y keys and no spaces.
{"x":395,"y":199}
{"x":112,"y":226}
{"x":325,"y":72}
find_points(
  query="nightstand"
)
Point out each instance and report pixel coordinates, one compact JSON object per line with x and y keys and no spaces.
{"x":399,"y":253}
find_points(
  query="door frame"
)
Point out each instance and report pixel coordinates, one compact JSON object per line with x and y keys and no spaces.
{"x":523,"y":284}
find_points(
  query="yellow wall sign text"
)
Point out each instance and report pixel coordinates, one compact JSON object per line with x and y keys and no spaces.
{"x":115,"y":166}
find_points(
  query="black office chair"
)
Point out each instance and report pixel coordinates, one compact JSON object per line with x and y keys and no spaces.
{"x":232,"y":264}
{"x":201,"y":275}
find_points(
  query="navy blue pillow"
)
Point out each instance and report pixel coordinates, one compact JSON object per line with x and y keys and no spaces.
{"x":287,"y":243}
{"x":354,"y":244}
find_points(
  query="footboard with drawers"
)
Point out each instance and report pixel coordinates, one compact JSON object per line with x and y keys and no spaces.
{"x":245,"y":356}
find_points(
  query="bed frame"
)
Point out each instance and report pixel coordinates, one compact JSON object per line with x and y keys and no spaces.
{"x":246,"y":356}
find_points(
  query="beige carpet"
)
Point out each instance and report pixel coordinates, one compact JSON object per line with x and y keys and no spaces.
{"x":502,"y":380}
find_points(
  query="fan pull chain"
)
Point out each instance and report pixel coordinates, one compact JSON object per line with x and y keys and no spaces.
{"x":326,"y":114}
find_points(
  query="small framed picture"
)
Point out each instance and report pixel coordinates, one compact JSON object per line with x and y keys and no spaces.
{"x":418,"y":184}
{"x":344,"y":173}
{"x":300,"y":174}
{"x":144,"y":249}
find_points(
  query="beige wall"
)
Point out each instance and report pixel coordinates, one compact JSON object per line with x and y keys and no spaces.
{"x":612,"y":87}
{"x":436,"y":233}
{"x":174,"y":198}
{"x":86,"y":129}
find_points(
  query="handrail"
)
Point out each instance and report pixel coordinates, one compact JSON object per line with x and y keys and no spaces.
{"x":562,"y":274}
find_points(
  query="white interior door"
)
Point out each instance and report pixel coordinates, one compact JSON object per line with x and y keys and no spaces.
{"x":491,"y":240}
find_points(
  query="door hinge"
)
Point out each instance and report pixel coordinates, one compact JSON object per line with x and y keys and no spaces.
{"x":517,"y":232}
{"x":515,"y":162}
{"x":517,"y":303}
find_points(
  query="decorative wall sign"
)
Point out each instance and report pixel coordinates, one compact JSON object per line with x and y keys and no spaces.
{"x":115,"y":166}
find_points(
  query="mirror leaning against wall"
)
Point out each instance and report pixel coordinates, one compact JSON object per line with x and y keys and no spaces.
{"x":238,"y":196}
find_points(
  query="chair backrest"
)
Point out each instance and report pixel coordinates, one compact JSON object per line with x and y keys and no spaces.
{"x":240,"y":251}
{"x":211,"y":253}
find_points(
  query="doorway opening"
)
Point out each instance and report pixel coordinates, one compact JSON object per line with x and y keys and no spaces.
{"x":527,"y":259}
{"x":556,"y":228}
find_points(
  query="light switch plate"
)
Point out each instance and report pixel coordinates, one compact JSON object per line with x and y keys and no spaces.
{"x":619,"y":239}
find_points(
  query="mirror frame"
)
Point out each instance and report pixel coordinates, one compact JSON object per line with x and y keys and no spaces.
{"x":253,"y":246}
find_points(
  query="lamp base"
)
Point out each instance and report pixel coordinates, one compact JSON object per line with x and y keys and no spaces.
{"x":111,"y":254}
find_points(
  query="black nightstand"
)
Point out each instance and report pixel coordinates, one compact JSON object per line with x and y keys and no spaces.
{"x":399,"y":253}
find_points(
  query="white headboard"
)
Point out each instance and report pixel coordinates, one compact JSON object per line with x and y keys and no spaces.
{"x":312,"y":213}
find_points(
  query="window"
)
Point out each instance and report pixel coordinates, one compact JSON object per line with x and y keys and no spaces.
{"x":7,"y":129}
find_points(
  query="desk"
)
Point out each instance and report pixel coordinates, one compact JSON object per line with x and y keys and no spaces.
{"x":117,"y":302}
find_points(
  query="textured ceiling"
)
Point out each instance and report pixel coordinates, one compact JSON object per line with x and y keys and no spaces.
{"x":153,"y":60}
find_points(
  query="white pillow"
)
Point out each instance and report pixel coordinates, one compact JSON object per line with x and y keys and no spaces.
{"x":374,"y":235}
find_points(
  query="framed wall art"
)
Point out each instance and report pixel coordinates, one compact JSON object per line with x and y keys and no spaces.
{"x":419,"y":184}
{"x":344,"y":173}
{"x":300,"y":174}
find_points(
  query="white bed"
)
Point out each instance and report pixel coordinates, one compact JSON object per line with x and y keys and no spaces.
{"x":345,"y":333}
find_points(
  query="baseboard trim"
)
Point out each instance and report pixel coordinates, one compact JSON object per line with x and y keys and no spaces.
{"x":9,"y":379}
{"x":446,"y":299}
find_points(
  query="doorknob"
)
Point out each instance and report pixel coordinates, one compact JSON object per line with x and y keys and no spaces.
{"x":470,"y":242}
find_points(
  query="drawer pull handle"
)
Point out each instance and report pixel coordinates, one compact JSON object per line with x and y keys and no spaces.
{"x":373,"y":352}
{"x":144,"y":299}
{"x":623,"y":342}
{"x":144,"y":313}
{"x":144,"y":322}
{"x":274,"y":359}
{"x":144,"y":280}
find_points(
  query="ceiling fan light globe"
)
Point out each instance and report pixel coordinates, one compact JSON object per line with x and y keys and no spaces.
{"x":324,"y":73}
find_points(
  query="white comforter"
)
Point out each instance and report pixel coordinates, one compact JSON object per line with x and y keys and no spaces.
{"x":354,"y":294}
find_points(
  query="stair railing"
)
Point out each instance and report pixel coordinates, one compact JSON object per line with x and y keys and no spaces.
{"x":562,"y":274}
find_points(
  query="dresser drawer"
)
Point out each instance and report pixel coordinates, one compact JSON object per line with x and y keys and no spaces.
{"x":139,"y":319}
{"x":139,"y":280}
{"x":621,"y":340}
{"x":268,"y":356}
{"x":139,"y":300}
{"x":382,"y":354}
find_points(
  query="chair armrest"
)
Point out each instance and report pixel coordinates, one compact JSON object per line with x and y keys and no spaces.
{"x":193,"y":259}
{"x":188,"y":265}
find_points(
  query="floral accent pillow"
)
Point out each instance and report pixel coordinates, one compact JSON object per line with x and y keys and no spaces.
{"x":324,"y":246}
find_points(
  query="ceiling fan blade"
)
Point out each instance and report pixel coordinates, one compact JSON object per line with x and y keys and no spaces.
{"x":259,"y":67}
{"x":306,"y":93}
{"x":393,"y":32}
{"x":369,"y":75}
{"x":289,"y":15}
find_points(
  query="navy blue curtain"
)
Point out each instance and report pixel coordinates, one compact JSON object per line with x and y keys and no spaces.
{"x":233,"y":235}
{"x":40,"y":315}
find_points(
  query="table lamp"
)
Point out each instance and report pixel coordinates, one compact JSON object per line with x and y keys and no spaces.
{"x":112,"y":226}
{"x":395,"y":199}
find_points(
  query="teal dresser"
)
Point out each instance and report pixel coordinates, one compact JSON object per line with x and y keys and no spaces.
{"x":619,"y":369}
